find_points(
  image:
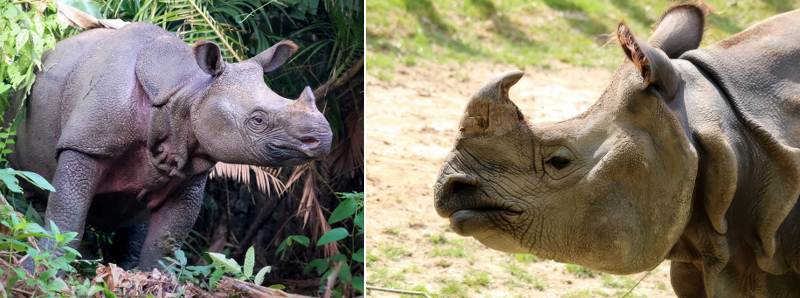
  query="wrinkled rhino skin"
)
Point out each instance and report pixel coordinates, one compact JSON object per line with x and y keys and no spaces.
{"x":127,"y":124}
{"x":690,"y":155}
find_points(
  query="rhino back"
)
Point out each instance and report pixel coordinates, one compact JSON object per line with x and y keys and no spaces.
{"x":108,"y":107}
{"x":759,"y":69}
{"x":40,"y":129}
{"x":96,"y":91}
{"x":758,"y":72}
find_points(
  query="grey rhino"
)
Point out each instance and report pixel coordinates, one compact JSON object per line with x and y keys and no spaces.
{"x":127,"y":123}
{"x":690,"y":155}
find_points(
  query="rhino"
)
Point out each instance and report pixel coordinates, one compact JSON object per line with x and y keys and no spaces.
{"x":127,"y":123}
{"x":690,"y":155}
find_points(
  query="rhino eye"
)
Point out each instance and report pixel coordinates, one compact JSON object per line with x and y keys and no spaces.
{"x":558,"y":162}
{"x":257,"y":123}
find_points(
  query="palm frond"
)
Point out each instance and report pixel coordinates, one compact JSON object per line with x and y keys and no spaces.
{"x":200,"y":25}
{"x":189,"y":18}
{"x":309,"y":207}
{"x":267,"y":179}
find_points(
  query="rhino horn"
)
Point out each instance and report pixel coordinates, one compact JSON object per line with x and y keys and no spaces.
{"x":491,"y":110}
{"x":498,"y":88}
{"x":306,"y":100}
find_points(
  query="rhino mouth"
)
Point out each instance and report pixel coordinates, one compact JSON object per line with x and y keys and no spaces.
{"x":287,"y":155}
{"x":462,"y":193}
{"x":468,"y":222}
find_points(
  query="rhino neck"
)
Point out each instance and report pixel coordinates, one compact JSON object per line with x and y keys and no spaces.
{"x":173,"y":147}
{"x":738,"y":203}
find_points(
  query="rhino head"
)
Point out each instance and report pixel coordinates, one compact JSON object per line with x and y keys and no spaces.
{"x":610,"y":189}
{"x":239,"y":119}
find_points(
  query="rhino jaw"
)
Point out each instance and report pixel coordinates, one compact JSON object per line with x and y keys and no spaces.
{"x":471,"y":215}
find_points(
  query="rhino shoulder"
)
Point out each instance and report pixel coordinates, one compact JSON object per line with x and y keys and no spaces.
{"x":165,"y":67}
{"x":104,"y":108}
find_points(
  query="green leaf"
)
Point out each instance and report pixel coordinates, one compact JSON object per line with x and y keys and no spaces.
{"x":216,"y":276}
{"x":337,"y":258}
{"x":277,"y":287}
{"x":259,"y":279}
{"x":249,"y":262}
{"x":108,"y":292}
{"x":289,"y":241}
{"x":359,"y":220}
{"x":320,"y":265}
{"x":10,"y":180}
{"x":358,"y":283}
{"x":282,"y":247}
{"x":344,"y":273}
{"x":54,"y":228}
{"x":358,"y":256}
{"x":22,"y":38}
{"x":300,"y":239}
{"x":57,"y":285}
{"x":346,"y":209}
{"x":180,"y":257}
{"x":223,"y":262}
{"x":37,"y":180}
{"x":333,"y":236}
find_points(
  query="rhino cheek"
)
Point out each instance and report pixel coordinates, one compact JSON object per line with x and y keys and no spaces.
{"x":220,"y":135}
{"x":626,"y":228}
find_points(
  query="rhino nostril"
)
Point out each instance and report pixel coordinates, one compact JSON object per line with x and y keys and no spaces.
{"x":460,"y":185}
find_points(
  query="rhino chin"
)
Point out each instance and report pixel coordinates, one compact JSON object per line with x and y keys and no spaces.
{"x":500,"y":241}
{"x":478,"y":224}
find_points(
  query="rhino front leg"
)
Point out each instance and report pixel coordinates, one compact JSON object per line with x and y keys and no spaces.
{"x":75,"y":180}
{"x":171,"y":223}
{"x":127,"y":245}
{"x":687,"y":280}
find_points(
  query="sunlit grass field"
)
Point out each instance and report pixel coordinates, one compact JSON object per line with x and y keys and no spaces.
{"x":543,"y":33}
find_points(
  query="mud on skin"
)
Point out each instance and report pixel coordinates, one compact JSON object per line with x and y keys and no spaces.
{"x":688,"y":155}
{"x":137,"y":116}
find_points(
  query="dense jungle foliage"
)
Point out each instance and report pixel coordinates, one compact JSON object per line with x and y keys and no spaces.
{"x":298,"y":229}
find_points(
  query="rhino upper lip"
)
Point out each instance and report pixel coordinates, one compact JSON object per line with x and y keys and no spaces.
{"x":481,"y":207}
{"x":288,"y":150}
{"x":472,"y":204}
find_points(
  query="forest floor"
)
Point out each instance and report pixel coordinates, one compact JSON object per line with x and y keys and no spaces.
{"x":412,"y":120}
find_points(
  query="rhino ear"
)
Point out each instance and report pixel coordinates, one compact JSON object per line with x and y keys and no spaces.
{"x":653,"y":64}
{"x":272,"y":58}
{"x":208,"y":57}
{"x":679,"y":30}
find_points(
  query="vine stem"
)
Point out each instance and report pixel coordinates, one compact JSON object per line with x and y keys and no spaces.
{"x":398,"y":291}
{"x":637,"y":284}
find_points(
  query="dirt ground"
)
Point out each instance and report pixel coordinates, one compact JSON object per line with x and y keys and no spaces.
{"x":412,"y":120}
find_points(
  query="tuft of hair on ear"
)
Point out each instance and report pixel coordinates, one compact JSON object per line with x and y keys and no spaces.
{"x":632,"y":49}
{"x":698,"y":7}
